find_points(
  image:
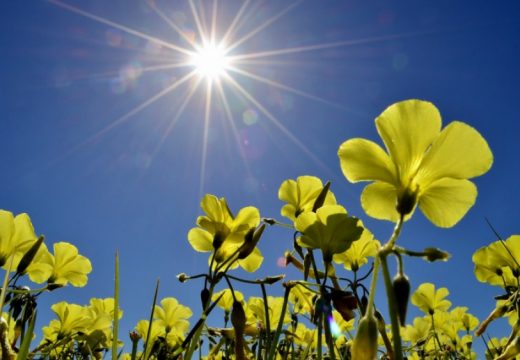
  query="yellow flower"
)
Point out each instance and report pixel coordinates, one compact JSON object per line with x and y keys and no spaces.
{"x":424,"y":165}
{"x":69,"y":266}
{"x":417,"y":332}
{"x":72,"y":318}
{"x":155,"y":332}
{"x":226,"y":301}
{"x":498,"y":263}
{"x":16,"y":237}
{"x":302,"y":299}
{"x":329,"y":229}
{"x":301,"y":194}
{"x":357,"y":254}
{"x":222,"y":233}
{"x":429,"y":300}
{"x":172,"y":317}
{"x":255,"y":311}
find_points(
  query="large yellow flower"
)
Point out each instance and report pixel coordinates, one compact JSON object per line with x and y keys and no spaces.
{"x":499,"y":262}
{"x":68,"y":265}
{"x":430,"y":300}
{"x":72,"y":319}
{"x":172,"y":317}
{"x":357,"y":254}
{"x":222,"y":233}
{"x":424,"y":165}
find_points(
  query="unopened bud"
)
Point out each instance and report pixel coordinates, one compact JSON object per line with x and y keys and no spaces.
{"x":364,"y":346}
{"x":218,"y":239}
{"x":28,"y":257}
{"x":320,"y":200}
{"x":251,"y":239}
{"x":401,"y":288}
{"x":204,"y":298}
{"x":238,"y":317}
{"x":134,"y":336}
{"x":495,"y":314}
{"x":182,"y":277}
{"x":433,"y":254}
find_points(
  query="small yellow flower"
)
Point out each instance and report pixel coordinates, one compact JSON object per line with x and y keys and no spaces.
{"x":172,"y":317}
{"x":424,"y":165}
{"x":430,"y":300}
{"x":357,"y":254}
{"x":302,"y":299}
{"x":72,"y":318}
{"x":301,"y":194}
{"x":329,"y":229}
{"x":255,"y":311}
{"x":226,"y":301}
{"x":417,"y":332}
{"x":69,"y":266}
{"x":222,"y":233}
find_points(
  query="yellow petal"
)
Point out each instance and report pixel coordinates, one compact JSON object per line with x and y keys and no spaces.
{"x":408,"y":128}
{"x":247,"y":218}
{"x":446,"y":201}
{"x":459,"y":152}
{"x":252,"y":262}
{"x":200,"y":240}
{"x":379,"y":200}
{"x":363,"y":160}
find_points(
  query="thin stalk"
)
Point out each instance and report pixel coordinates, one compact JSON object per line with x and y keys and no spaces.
{"x":272,"y":351}
{"x":267,"y":321}
{"x":116,"y":308}
{"x":392,"y":302}
{"x":194,"y":342}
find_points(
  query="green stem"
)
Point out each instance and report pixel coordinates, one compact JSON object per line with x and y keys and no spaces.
{"x":387,"y":249}
{"x":267,"y":321}
{"x":272,"y":351}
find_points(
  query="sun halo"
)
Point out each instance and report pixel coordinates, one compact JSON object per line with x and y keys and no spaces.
{"x":210,"y":61}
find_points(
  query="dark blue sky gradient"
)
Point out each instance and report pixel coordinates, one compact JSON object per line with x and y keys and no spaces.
{"x":64,"y":78}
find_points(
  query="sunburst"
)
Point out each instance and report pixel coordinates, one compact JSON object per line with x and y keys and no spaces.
{"x":209,"y":61}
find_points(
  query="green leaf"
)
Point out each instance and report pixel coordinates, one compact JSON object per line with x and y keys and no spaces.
{"x":23,"y":352}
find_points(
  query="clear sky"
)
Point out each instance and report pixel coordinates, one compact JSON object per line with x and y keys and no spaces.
{"x":92,"y":165}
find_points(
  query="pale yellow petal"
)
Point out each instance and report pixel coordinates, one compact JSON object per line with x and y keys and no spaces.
{"x":252,"y":262}
{"x":459,"y":152}
{"x":408,"y":128}
{"x":363,"y":160}
{"x":447,"y":200}
{"x":379,"y":201}
{"x":200,"y":240}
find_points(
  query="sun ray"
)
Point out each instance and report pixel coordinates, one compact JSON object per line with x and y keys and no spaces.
{"x":263,"y":26}
{"x":129,"y":114}
{"x":214,"y":21}
{"x":173,"y":25}
{"x":286,"y":51}
{"x":278,"y":124}
{"x":198,"y":23}
{"x":285,"y":87}
{"x":229,"y":116}
{"x":111,"y":23}
{"x":235,"y":21}
{"x":205,"y":137}
{"x":177,"y":116}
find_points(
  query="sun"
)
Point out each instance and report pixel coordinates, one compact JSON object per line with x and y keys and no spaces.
{"x":210,"y":61}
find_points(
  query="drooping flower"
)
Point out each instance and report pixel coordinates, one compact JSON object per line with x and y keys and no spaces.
{"x":301,"y":194}
{"x":424,"y":166}
{"x":329,"y":229}
{"x":357,"y":254}
{"x":16,"y":237}
{"x":430,"y":300}
{"x":223,"y":234}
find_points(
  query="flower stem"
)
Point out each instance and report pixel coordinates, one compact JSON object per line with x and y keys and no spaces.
{"x":272,"y":351}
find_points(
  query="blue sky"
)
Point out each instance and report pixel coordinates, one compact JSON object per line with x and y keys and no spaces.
{"x":65,"y":78}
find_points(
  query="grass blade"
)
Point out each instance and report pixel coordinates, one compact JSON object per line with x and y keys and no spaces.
{"x":26,"y":341}
{"x":115,"y":327}
{"x":147,"y":348}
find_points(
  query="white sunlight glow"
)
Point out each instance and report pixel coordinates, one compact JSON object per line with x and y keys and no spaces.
{"x":210,"y":61}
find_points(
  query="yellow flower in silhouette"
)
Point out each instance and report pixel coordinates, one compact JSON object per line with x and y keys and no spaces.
{"x":430,"y":300}
{"x":16,"y":237}
{"x":301,"y":194}
{"x":424,"y":166}
{"x":329,"y":229}
{"x":172,"y":317}
{"x":357,"y":254}
{"x":68,"y":266}
{"x":223,"y":234}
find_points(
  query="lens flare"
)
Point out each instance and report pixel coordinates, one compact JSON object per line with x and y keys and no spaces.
{"x":334,"y":327}
{"x":210,"y":61}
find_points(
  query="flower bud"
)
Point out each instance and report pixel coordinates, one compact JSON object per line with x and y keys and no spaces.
{"x":320,"y":200}
{"x":251,"y":239}
{"x":29,"y":256}
{"x":204,"y":298}
{"x":401,"y":289}
{"x":495,"y":314}
{"x":433,"y":254}
{"x":182,"y":277}
{"x":238,"y":317}
{"x":364,"y":346}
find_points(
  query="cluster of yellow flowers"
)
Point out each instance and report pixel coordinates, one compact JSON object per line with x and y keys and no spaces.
{"x":330,"y":311}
